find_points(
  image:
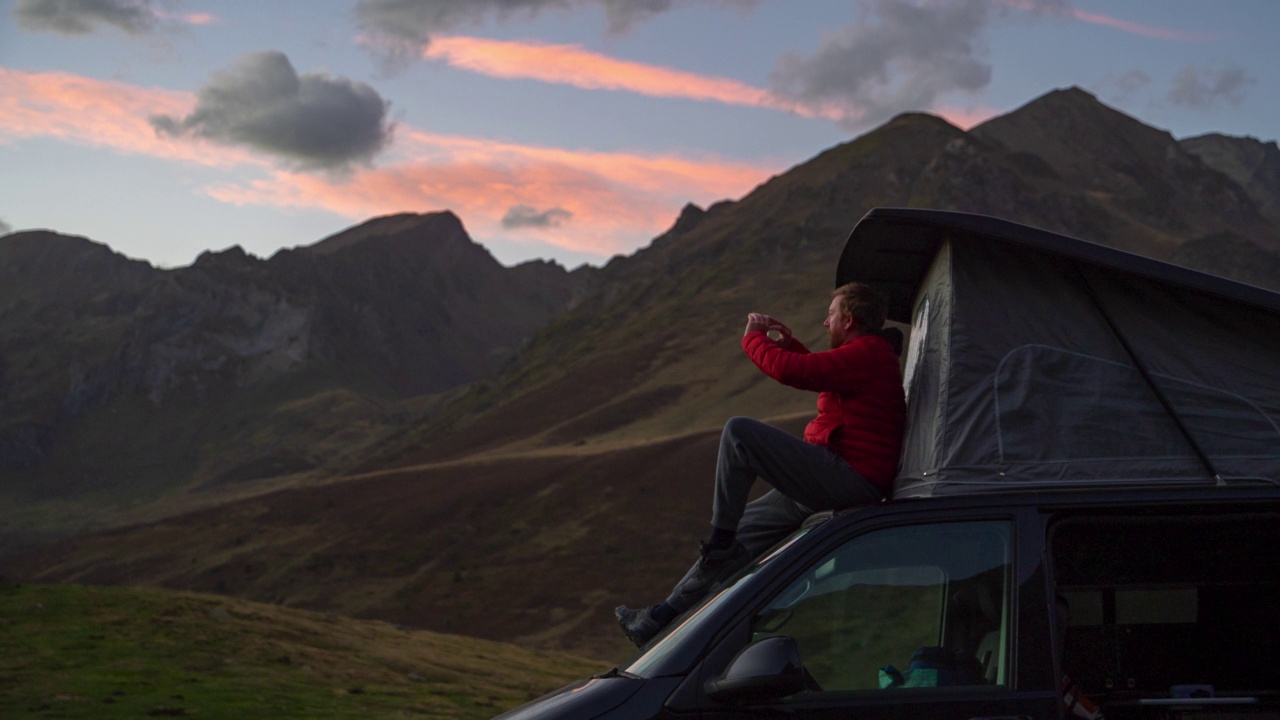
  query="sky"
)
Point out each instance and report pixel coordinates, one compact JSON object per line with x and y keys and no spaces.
{"x":566,"y":130}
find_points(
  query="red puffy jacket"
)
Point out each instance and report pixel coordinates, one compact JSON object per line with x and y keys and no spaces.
{"x":861,"y":406}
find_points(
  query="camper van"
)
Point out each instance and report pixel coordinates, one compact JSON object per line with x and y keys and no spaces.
{"x":1084,"y":521}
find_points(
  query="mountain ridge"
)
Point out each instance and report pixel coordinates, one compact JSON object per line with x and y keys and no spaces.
{"x":1251,"y":163}
{"x":87,"y":334}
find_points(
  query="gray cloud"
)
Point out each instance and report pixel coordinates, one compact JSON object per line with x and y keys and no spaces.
{"x":312,"y":120}
{"x":1125,"y":86}
{"x":80,"y":17}
{"x":405,"y":26}
{"x":898,"y":56}
{"x":1034,"y":10}
{"x":525,"y":216}
{"x":5,"y":228}
{"x":1203,"y":87}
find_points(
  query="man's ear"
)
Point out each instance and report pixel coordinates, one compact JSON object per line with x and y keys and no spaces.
{"x":850,"y":323}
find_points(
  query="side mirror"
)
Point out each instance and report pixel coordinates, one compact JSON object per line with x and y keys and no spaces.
{"x":765,"y":670}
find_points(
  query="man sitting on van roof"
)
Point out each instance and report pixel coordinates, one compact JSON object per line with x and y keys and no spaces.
{"x":848,"y":457}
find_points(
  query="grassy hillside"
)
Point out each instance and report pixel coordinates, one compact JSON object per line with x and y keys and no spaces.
{"x":85,"y":652}
{"x":535,"y":548}
{"x":582,"y":475}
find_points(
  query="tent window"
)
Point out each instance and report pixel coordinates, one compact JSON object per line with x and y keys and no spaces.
{"x":915,"y":347}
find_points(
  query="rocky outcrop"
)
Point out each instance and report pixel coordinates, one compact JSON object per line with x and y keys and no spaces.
{"x":1254,"y":165}
{"x":1154,"y":192}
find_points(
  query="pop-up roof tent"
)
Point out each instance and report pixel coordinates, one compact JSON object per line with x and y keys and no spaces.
{"x":1037,"y":360}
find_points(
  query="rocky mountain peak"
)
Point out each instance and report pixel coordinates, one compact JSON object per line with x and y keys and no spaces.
{"x":1109,"y":163}
{"x":49,"y":264}
{"x":1253,"y":164}
{"x":230,"y":257}
{"x":438,"y":228}
{"x":1085,"y":141}
{"x":45,"y":251}
{"x":690,"y":217}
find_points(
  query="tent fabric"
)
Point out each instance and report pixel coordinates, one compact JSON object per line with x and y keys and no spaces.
{"x":1059,"y":363}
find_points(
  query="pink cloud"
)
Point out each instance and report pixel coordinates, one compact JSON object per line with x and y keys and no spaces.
{"x":190,"y":18}
{"x":1134,"y":28}
{"x":199,"y":18}
{"x":616,"y":201}
{"x":100,"y":113}
{"x":966,"y":117}
{"x":1128,"y":26}
{"x":572,"y":65}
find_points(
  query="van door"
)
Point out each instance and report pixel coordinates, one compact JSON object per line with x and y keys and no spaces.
{"x":913,"y":621}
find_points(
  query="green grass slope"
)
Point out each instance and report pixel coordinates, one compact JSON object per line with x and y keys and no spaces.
{"x":91,"y":652}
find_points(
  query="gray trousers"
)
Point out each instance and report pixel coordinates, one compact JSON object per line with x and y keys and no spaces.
{"x":806,"y":478}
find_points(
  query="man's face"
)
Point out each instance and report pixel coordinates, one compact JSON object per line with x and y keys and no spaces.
{"x":838,"y":324}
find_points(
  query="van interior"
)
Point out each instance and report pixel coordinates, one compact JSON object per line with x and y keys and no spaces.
{"x":1171,"y":617}
{"x":903,"y":607}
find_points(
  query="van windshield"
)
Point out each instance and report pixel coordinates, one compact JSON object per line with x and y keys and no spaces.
{"x":651,"y":661}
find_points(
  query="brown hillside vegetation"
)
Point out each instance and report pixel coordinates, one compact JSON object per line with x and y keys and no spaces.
{"x":535,"y":548}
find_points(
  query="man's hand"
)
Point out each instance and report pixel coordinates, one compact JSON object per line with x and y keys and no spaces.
{"x":759,"y":322}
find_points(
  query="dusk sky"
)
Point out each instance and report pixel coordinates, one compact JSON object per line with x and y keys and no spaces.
{"x":570,"y":130}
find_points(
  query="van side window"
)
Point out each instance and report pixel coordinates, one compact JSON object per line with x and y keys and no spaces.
{"x":906,"y":607}
{"x":1162,"y":609}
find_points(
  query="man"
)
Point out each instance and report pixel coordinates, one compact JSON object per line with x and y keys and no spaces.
{"x":848,"y":457}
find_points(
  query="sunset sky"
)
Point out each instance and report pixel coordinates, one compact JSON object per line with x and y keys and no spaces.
{"x":570,"y":130}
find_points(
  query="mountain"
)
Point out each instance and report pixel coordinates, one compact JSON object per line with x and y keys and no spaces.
{"x":1250,"y":163}
{"x":121,"y":380}
{"x":50,"y":283}
{"x":1096,"y":173}
{"x":576,"y":475}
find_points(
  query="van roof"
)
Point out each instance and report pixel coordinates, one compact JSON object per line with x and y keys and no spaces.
{"x":891,"y":249}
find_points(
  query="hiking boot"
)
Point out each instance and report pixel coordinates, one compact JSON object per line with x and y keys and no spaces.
{"x":713,"y":567}
{"x":638,"y":623}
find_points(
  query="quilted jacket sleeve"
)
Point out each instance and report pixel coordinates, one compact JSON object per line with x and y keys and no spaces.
{"x":840,"y":370}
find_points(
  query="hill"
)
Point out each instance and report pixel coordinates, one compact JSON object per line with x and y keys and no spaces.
{"x":576,"y":476}
{"x":534,"y":548}
{"x":100,"y":653}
